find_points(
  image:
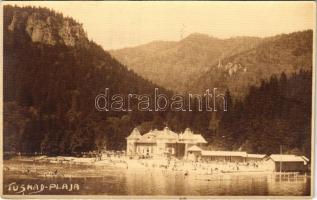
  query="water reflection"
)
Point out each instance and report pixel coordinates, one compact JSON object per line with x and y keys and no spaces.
{"x":117,"y":181}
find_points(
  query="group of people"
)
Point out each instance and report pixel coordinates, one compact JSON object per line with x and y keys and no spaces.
{"x":185,"y":166}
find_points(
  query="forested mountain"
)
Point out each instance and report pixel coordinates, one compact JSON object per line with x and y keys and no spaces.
{"x":174,"y":65}
{"x":276,"y":113}
{"x":286,"y":53}
{"x":52,"y":74}
{"x":199,"y":62}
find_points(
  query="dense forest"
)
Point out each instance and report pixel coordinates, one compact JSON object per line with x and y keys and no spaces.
{"x":278,"y":112}
{"x":51,"y":80}
{"x":286,"y":53}
{"x":49,"y":91}
{"x":186,"y":59}
{"x":201,"y":61}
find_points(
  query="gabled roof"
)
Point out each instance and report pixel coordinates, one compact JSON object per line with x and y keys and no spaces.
{"x":135,"y":134}
{"x":189,"y":137}
{"x":149,"y":137}
{"x":224,"y":153}
{"x":194,"y":148}
{"x":288,"y":158}
{"x":199,"y":138}
{"x":256,"y":155}
{"x":166,"y":133}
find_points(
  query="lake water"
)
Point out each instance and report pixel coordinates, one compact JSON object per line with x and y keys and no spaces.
{"x":112,"y":180}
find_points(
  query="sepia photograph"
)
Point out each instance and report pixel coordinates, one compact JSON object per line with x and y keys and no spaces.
{"x":158,"y":99}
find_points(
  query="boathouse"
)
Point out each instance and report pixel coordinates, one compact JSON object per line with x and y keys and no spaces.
{"x":288,"y":163}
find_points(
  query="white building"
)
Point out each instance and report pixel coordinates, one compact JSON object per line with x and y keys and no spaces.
{"x":164,"y":142}
{"x":195,"y":153}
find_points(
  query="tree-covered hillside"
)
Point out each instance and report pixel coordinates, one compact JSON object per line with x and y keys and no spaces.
{"x":175,"y":65}
{"x":278,"y":112}
{"x":50,"y":86}
{"x":201,"y":62}
{"x":286,"y":53}
{"x":52,"y":74}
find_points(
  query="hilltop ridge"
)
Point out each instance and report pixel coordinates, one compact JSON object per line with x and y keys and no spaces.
{"x":192,"y":64}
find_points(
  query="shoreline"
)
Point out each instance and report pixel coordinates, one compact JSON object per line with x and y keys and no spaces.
{"x":64,"y":164}
{"x":105,"y":176}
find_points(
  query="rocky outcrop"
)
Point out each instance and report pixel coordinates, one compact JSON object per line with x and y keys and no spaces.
{"x":51,"y":30}
{"x":231,"y":68}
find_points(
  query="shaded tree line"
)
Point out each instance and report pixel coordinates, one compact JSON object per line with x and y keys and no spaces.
{"x":278,"y":112}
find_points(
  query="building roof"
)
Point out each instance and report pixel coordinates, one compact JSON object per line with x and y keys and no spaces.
{"x":219,"y":153}
{"x":166,"y":133}
{"x":256,"y":155}
{"x":189,"y":137}
{"x":154,"y":135}
{"x":224,"y":153}
{"x":305,"y":158}
{"x":199,"y":138}
{"x":288,"y":158}
{"x":188,"y":134}
{"x":135,"y":134}
{"x":194,"y":148}
{"x":149,"y":137}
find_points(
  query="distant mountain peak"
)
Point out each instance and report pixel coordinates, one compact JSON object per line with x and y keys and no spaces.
{"x":198,"y":36}
{"x":195,"y":60}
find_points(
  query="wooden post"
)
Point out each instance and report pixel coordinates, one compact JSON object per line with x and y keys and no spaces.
{"x":281,"y":161}
{"x":281,"y":158}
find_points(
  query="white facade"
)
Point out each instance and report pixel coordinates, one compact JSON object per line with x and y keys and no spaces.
{"x":164,"y":142}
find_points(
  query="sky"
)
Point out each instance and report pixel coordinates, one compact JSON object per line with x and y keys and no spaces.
{"x":120,"y":24}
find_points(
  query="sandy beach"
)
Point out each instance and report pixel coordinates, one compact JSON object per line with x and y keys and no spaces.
{"x":30,"y":165}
